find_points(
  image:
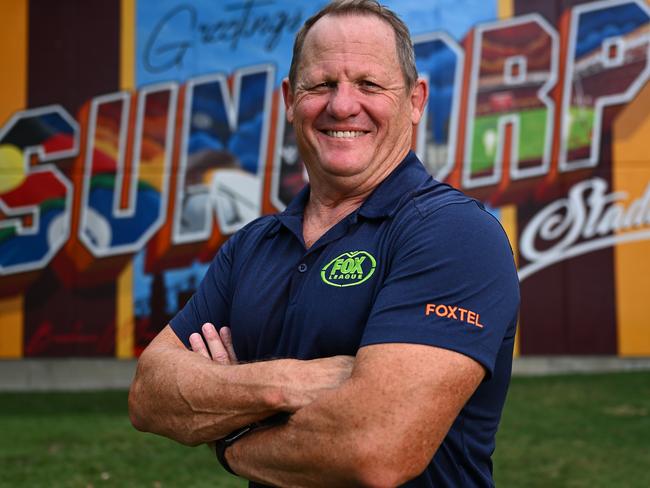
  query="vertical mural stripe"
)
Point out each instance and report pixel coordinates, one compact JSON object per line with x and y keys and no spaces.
{"x":127,"y":44}
{"x":631,"y":175}
{"x":506,"y":9}
{"x":60,"y":35}
{"x":73,"y":56}
{"x":124,"y":314}
{"x":13,"y":58}
{"x":11,"y":311}
{"x":13,"y":97}
{"x":508,"y":218}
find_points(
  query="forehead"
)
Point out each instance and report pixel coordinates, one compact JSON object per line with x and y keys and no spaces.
{"x":362,"y":40}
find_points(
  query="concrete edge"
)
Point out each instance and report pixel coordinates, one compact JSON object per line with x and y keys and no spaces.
{"x":116,"y":374}
{"x":551,"y":365}
{"x":66,"y":374}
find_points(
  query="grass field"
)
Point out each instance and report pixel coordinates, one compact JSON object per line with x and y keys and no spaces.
{"x":564,"y":431}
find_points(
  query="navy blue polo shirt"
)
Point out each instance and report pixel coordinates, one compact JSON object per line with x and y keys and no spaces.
{"x":418,"y":262}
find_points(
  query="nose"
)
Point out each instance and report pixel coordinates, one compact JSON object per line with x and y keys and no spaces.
{"x":343,"y":102}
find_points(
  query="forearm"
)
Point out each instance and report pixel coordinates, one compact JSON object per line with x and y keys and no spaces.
{"x":193,"y":398}
{"x":184,"y":396}
{"x":379,"y":428}
{"x":331,"y":442}
{"x":315,"y":448}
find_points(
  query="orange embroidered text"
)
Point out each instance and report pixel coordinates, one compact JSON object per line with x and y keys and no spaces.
{"x":453,"y":312}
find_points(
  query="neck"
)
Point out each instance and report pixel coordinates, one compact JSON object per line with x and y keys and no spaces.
{"x":332,"y":198}
{"x":323,"y":212}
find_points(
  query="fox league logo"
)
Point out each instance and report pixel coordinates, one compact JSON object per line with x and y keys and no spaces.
{"x":349,"y":269}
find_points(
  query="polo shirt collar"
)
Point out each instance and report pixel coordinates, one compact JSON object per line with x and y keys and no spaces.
{"x":409,"y":175}
{"x":382,"y":202}
{"x":291,"y":217}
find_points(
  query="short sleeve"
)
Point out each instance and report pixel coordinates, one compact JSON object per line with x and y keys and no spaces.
{"x":451,"y":283}
{"x":211,"y":301}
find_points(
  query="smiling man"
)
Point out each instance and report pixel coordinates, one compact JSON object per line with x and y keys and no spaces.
{"x":364,"y":335}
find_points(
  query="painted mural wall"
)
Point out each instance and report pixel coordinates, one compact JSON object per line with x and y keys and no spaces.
{"x":136,"y":136}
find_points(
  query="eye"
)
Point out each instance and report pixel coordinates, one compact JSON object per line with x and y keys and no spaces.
{"x":325,"y":85}
{"x":369,"y":85}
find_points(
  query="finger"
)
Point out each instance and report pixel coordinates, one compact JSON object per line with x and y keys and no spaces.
{"x":218,"y":352}
{"x":197,"y":345}
{"x":226,"y":339}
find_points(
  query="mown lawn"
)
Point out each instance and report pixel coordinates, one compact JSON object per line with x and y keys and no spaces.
{"x":563,"y":431}
{"x":576,"y":431}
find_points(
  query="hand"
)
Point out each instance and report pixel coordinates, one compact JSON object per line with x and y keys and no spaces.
{"x":219,"y":349}
{"x":303,"y":381}
{"x":308,"y":380}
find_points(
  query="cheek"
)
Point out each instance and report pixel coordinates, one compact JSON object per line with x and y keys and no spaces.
{"x":313,"y":111}
{"x":308,"y":107}
{"x":388,"y":113}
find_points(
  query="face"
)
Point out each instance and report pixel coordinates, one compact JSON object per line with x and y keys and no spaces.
{"x":351,"y":111}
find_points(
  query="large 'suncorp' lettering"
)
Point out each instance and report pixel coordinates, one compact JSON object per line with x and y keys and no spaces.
{"x":35,"y":197}
{"x":509,"y":86}
{"x":223,"y":134}
{"x":602,"y":69}
{"x":223,"y":151}
{"x":439,"y":60}
{"x":125,"y":196}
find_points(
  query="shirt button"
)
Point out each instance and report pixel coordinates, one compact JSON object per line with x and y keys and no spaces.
{"x":302,"y":267}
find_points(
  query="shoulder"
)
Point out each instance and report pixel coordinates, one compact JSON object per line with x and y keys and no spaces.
{"x":454,"y":234}
{"x":437,"y":209}
{"x":435,"y":197}
{"x":252,"y":232}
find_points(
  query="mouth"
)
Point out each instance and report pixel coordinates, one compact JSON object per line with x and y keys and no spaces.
{"x":344,"y":134}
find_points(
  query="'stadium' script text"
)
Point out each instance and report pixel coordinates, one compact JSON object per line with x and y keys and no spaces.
{"x":589,"y":218}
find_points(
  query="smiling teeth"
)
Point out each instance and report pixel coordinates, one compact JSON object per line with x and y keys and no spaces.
{"x":344,"y":134}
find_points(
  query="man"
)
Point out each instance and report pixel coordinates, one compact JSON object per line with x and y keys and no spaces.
{"x":378,"y":309}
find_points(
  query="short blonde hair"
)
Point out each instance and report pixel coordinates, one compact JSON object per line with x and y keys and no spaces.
{"x":403,"y":43}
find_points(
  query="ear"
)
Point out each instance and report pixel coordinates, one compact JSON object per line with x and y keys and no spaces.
{"x":287,"y":95}
{"x":419,"y":96}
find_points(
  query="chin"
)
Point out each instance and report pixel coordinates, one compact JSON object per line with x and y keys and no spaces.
{"x":348,"y":166}
{"x":346,"y":161}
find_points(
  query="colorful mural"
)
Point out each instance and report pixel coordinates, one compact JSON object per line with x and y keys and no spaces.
{"x":136,"y":136}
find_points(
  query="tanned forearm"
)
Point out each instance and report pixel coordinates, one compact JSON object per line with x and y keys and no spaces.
{"x":191,"y":399}
{"x":379,"y":428}
{"x":317,"y":447}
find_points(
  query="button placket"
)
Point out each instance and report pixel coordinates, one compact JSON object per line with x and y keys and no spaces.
{"x":301,"y":274}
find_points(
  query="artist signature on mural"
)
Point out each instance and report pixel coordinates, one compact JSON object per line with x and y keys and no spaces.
{"x":180,"y":30}
{"x":587,"y":220}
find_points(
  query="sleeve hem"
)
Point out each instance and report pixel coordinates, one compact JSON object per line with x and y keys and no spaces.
{"x":388,"y":333}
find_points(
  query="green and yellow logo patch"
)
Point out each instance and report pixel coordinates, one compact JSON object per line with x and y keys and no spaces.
{"x":349,"y":269}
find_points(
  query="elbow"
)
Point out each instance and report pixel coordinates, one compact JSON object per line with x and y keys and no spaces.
{"x":140,"y":396}
{"x":136,"y":415}
{"x":378,"y":466}
{"x":384,"y":476}
{"x":146,"y":420}
{"x":147,"y":412}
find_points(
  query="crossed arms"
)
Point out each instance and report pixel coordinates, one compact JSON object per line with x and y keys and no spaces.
{"x":373,"y":420}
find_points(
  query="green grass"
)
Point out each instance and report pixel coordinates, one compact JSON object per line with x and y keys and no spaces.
{"x":86,"y":439}
{"x":564,"y":431}
{"x":576,"y":431}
